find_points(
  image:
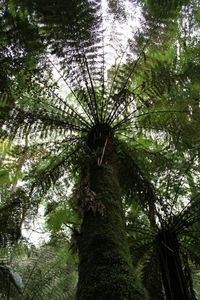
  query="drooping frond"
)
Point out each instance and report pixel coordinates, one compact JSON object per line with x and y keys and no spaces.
{"x":13,"y":208}
{"x":50,"y":169}
{"x":39,"y":274}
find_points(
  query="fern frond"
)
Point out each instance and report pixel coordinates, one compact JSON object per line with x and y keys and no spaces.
{"x":48,"y":172}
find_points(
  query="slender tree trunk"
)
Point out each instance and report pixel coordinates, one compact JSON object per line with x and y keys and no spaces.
{"x":105,"y":268}
{"x":174,"y":281}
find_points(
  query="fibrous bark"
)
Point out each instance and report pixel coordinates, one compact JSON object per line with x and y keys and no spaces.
{"x":174,"y":280}
{"x":105,"y":268}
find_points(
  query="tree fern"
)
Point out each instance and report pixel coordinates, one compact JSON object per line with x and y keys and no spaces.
{"x":139,"y":96}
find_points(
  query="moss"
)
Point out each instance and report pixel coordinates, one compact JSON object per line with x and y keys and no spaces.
{"x":105,"y":268}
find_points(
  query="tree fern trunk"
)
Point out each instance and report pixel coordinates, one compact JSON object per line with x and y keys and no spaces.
{"x":105,"y":269}
{"x":174,"y":281}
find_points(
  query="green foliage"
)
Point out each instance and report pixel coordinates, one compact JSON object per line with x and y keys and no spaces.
{"x":60,"y":21}
{"x":48,"y":272}
{"x":164,"y":9}
{"x":59,"y":215}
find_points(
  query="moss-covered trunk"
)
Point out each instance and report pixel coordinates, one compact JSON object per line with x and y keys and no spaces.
{"x":105,"y":269}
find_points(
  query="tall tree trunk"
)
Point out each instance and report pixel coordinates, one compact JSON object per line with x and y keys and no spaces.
{"x":105,"y":268}
{"x":174,"y":281}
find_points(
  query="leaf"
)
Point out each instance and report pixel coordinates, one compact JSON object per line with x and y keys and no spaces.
{"x":4,"y":177}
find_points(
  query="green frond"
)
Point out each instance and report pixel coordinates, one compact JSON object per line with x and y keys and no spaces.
{"x":44,"y":273}
{"x":12,"y":212}
{"x":135,"y":185}
{"x":50,"y":169}
{"x":166,"y":9}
